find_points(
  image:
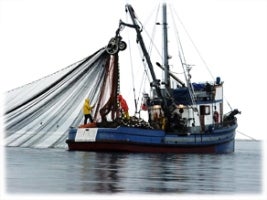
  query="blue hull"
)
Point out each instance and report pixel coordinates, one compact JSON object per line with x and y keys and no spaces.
{"x":145,"y":140}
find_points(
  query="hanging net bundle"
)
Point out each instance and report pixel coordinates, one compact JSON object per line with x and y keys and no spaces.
{"x":39,"y":114}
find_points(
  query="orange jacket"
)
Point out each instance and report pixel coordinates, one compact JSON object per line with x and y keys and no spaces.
{"x":123,"y":103}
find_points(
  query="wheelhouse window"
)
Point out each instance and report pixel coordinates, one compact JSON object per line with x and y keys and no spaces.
{"x":204,"y":110}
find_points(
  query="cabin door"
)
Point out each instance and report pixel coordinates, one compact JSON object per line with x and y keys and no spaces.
{"x":202,"y":122}
{"x":204,"y":111}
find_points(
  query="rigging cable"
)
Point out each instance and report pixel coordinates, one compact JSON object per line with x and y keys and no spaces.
{"x":142,"y":58}
{"x":132,"y":69}
{"x":198,"y":52}
{"x":151,"y":45}
{"x":132,"y":73}
{"x":191,"y":40}
{"x":183,"y":62}
{"x":153,"y":33}
{"x":246,"y":135}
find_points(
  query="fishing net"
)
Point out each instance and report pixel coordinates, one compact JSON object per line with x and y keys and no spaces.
{"x":39,"y":114}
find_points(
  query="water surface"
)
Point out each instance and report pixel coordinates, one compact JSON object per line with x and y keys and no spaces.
{"x":60,"y":171}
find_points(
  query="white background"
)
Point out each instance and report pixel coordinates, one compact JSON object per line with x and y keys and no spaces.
{"x":39,"y":37}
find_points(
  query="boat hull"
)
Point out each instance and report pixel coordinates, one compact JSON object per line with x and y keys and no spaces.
{"x":227,"y":147}
{"x":150,"y":141}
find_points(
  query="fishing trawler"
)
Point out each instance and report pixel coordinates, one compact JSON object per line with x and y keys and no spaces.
{"x":187,"y":118}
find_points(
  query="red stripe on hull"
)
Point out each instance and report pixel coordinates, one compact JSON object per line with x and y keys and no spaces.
{"x":127,"y":147}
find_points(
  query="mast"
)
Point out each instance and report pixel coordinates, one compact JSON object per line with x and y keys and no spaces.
{"x":165,"y":48}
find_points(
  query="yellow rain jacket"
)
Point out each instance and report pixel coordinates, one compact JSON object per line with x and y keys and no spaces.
{"x":87,"y":109}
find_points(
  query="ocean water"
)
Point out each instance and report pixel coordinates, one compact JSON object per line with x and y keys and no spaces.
{"x":58,"y":171}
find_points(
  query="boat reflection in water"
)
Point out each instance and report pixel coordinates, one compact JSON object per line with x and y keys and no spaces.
{"x":81,"y":172}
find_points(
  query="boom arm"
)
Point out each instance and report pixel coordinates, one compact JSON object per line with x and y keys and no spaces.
{"x":156,"y":82}
{"x":141,"y":42}
{"x":114,"y":49}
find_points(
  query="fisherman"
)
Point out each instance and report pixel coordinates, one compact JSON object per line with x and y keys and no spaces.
{"x":215,"y":115}
{"x":124,"y":106}
{"x":87,"y":109}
